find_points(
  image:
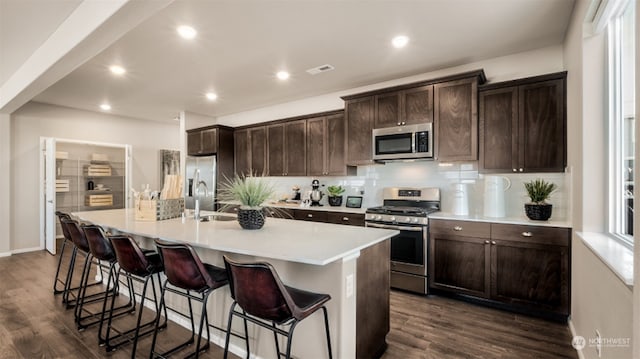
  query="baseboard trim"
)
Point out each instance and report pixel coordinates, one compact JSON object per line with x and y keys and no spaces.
{"x":573,"y":334}
{"x":5,"y":254}
{"x":26,"y":250}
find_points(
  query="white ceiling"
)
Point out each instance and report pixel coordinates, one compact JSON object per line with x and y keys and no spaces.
{"x":242,"y":43}
{"x":17,"y":41}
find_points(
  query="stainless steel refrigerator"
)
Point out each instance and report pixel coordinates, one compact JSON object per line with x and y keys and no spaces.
{"x":200,"y":182}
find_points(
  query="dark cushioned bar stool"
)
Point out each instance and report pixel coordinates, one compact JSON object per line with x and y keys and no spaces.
{"x":188,"y":276}
{"x":67,"y":241}
{"x":102,"y":250}
{"x":73,"y":295}
{"x":67,"y":245}
{"x":258,"y":290}
{"x":139,"y":266}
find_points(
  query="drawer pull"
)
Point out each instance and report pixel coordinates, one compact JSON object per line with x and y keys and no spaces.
{"x":487,"y":242}
{"x":457,"y":228}
{"x":527,"y":234}
{"x":309,"y":215}
{"x":493,"y":242}
{"x":345,"y":218}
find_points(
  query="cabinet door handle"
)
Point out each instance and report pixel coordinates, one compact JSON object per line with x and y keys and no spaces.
{"x":521,"y":170}
{"x":345,"y":218}
{"x":309,"y":215}
{"x":398,"y":123}
{"x":457,"y":228}
{"x":527,"y":234}
{"x":493,"y":242}
{"x":514,"y":170}
{"x":403,"y":123}
{"x":487,"y":242}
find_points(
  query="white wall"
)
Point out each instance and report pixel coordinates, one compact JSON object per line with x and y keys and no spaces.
{"x":5,"y":180}
{"x":34,"y":120}
{"x":530,"y":63}
{"x":599,"y":298}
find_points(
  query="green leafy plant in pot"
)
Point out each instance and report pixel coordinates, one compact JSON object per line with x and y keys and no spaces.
{"x":539,"y":191}
{"x":335,"y":195}
{"x":251,"y":193}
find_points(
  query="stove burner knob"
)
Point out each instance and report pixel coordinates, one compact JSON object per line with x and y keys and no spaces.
{"x":378,"y":218}
{"x":407,"y":220}
{"x":392,"y":218}
{"x":414,"y":220}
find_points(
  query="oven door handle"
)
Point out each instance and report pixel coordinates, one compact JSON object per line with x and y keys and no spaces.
{"x":400,"y":228}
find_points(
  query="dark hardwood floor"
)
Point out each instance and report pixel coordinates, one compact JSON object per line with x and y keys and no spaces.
{"x":34,"y":324}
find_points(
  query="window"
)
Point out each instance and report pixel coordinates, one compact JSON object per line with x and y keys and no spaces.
{"x":621,"y":37}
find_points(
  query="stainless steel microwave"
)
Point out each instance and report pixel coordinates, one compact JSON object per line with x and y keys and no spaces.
{"x":403,"y":142}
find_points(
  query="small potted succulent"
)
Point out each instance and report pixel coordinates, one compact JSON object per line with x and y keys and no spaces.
{"x":251,"y":193}
{"x":335,"y":195}
{"x":539,"y":191}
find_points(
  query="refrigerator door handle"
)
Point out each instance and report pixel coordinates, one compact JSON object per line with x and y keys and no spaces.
{"x":190,"y":190}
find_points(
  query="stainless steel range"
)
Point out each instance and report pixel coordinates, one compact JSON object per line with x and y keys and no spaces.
{"x":406,"y":209}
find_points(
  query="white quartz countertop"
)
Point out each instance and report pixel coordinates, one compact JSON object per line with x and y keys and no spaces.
{"x":282,"y":239}
{"x":505,"y":220}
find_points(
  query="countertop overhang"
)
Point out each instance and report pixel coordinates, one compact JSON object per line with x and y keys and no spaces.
{"x":282,"y":239}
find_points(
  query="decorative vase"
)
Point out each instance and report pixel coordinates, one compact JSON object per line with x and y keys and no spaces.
{"x":538,"y":212}
{"x":335,"y":201}
{"x":251,"y":218}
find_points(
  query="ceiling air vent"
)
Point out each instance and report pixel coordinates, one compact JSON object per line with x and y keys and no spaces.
{"x":320,"y":69}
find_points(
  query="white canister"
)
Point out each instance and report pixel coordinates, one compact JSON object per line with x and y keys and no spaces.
{"x":460,"y":199}
{"x":494,"y":189}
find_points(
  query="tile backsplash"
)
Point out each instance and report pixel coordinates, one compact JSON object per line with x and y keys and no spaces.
{"x":370,"y":181}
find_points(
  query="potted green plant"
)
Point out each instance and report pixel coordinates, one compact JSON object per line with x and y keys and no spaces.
{"x":251,"y":193}
{"x":539,"y":191}
{"x":335,"y":195}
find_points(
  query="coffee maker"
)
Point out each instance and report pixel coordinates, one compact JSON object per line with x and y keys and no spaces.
{"x":316,"y":194}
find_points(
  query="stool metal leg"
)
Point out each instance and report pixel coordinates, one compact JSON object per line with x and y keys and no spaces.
{"x":56,"y":278}
{"x":326,"y":327}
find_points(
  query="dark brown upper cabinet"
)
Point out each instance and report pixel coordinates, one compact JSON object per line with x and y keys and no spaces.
{"x":405,"y":107}
{"x":451,"y":99}
{"x":242,"y":152}
{"x":456,"y":120}
{"x":326,"y":146}
{"x":250,"y":151}
{"x":286,"y":148}
{"x":359,"y":114}
{"x":523,"y":125}
{"x":202,"y":142}
{"x":258,"y":153}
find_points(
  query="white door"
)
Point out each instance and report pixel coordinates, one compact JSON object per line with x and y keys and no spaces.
{"x":48,"y":217}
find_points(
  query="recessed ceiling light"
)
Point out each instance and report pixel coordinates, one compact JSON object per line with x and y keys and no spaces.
{"x":211,"y":96}
{"x":105,"y":107}
{"x":282,"y":75}
{"x":117,"y":70}
{"x":400,"y":41}
{"x":187,"y":32}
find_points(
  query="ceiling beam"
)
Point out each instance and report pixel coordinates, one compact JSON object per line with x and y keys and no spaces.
{"x":91,"y":28}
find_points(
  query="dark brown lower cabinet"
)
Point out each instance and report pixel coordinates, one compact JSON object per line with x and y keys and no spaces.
{"x":517,"y":267}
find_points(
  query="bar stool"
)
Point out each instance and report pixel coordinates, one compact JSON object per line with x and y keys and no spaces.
{"x":186,"y":274}
{"x":258,"y":290}
{"x":67,"y":240}
{"x":81,"y":247}
{"x":140,"y":266}
{"x":102,"y":250}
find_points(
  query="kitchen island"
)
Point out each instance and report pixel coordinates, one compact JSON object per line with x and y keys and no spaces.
{"x":349,"y":263}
